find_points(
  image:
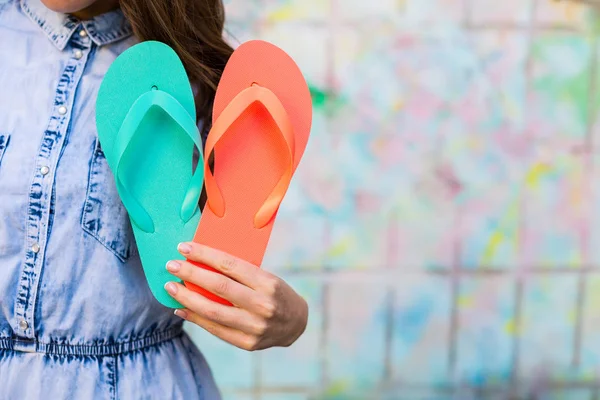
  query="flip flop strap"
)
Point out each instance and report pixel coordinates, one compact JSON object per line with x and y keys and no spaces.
{"x":236,"y":108}
{"x":129,"y":127}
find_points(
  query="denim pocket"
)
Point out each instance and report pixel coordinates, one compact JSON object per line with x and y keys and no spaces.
{"x":3,"y":144}
{"x":104,"y":216}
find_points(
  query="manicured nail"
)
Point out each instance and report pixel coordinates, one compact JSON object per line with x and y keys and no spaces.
{"x":173,"y":266}
{"x":171,"y":288}
{"x":184,"y":248}
{"x":181,"y":314}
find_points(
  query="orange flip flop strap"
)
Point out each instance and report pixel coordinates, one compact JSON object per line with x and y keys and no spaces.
{"x":236,"y":108}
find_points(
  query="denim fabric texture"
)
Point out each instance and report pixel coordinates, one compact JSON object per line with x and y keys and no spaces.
{"x":77,"y":320}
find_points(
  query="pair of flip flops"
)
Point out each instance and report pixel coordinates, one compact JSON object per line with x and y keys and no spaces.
{"x":146,"y":121}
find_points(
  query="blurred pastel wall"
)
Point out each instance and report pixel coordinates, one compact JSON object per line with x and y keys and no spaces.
{"x":444,"y":223}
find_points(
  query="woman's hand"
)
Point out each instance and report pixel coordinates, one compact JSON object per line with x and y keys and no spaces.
{"x":267,"y":312}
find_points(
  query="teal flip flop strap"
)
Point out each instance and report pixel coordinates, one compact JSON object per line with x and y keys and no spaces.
{"x":129,"y":127}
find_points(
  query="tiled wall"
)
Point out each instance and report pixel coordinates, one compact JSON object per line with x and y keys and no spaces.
{"x":443,"y":224}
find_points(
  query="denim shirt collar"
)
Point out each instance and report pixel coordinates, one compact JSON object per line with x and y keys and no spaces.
{"x":103,"y":29}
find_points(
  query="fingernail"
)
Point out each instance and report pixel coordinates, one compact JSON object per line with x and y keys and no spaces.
{"x":171,"y":288}
{"x":181,"y":314}
{"x":184,"y":248}
{"x":173,"y":266}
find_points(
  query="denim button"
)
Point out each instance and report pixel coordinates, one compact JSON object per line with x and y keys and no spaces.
{"x":44,"y":170}
{"x":35,"y":248}
{"x":82,"y":33}
{"x":62,"y":110}
{"x":77,"y":54}
{"x":23,"y":325}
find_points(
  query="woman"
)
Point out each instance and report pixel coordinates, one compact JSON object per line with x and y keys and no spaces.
{"x":77,"y":319}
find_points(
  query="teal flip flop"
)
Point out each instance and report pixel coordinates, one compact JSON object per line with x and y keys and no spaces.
{"x":146,"y":121}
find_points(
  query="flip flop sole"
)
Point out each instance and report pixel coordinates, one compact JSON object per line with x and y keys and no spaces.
{"x":249,"y":159}
{"x":161,"y":168}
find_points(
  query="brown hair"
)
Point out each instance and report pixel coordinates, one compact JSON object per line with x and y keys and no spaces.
{"x":194,"y":29}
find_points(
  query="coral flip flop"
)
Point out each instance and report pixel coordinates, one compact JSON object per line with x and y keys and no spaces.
{"x":146,"y":122}
{"x":261,"y":124}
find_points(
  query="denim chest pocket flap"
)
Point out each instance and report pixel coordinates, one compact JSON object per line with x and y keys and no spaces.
{"x":4,"y":138}
{"x":104,"y":216}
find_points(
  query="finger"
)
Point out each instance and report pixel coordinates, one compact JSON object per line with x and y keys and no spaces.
{"x":228,"y":334}
{"x":236,"y":268}
{"x":218,"y":284}
{"x":232,"y":317}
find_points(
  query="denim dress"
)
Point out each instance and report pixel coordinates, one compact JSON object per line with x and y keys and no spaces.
{"x":77,"y":319}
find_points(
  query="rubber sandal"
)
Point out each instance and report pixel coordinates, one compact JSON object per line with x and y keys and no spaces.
{"x":146,"y":120}
{"x":261,"y":124}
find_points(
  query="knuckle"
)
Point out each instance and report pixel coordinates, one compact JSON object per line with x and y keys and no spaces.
{"x":212,"y":327}
{"x":186,"y":271}
{"x":228,"y":265}
{"x":250,"y":343}
{"x":260,"y":328}
{"x":222,"y":287}
{"x":273,"y":285}
{"x":268,"y":309}
{"x":183,"y":296}
{"x":213,"y":314}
